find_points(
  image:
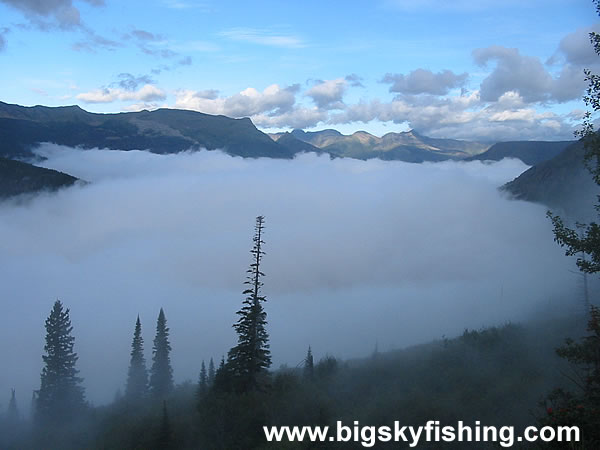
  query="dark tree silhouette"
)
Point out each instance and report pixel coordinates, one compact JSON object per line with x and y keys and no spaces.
{"x":249,"y":360}
{"x":137,"y":376}
{"x":581,"y":406}
{"x":211,"y":372}
{"x":12,"y":412}
{"x":309,"y":365}
{"x":161,"y":373}
{"x":165,"y":434}
{"x":202,"y":381}
{"x":61,"y":395}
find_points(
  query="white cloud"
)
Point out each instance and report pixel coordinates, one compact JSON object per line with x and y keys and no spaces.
{"x":264,"y":37}
{"x":423,"y":81}
{"x":146,"y":93}
{"x":576,"y":48}
{"x":328,"y":94}
{"x":274,"y":99}
{"x":61,"y":12}
{"x":527,"y":76}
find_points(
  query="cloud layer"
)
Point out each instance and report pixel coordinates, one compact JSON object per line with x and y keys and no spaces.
{"x":357,"y":252}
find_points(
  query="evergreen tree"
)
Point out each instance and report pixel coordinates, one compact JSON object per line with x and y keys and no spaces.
{"x":249,"y":360}
{"x":211,"y":372}
{"x":579,"y":407}
{"x":161,"y":373}
{"x":309,"y":365}
{"x":165,"y":435}
{"x":137,"y":376}
{"x":12,"y":413}
{"x":202,"y":381}
{"x":60,"y":395}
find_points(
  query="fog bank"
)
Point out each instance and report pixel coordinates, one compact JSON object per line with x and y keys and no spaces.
{"x":357,"y":252}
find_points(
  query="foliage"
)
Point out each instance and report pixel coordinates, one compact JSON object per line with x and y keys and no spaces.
{"x":585,"y":238}
{"x":137,"y":376}
{"x":309,"y":365}
{"x":248,"y":361}
{"x":60,"y":395}
{"x":161,"y":372}
{"x":581,"y":408}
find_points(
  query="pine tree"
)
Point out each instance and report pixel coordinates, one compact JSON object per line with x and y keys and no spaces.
{"x":161,"y":373}
{"x":12,"y":413}
{"x":202,"y":381}
{"x":137,"y":376}
{"x":211,"y":372}
{"x":60,"y":395}
{"x":249,"y":360}
{"x":309,"y":365}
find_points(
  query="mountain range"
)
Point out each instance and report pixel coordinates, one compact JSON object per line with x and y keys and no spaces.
{"x":557,"y":177}
{"x":408,"y":146}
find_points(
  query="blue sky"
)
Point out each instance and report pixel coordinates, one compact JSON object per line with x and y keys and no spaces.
{"x":487,"y":70}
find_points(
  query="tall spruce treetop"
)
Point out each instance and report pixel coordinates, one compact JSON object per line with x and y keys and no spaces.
{"x":249,"y":360}
{"x":60,"y":394}
{"x":137,"y":376}
{"x":211,"y":372}
{"x":161,"y":373}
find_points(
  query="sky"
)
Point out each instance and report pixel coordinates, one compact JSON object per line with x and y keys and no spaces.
{"x":364,"y":253}
{"x":485,"y":70}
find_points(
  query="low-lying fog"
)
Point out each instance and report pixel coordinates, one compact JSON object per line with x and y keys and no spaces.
{"x":358,"y":252}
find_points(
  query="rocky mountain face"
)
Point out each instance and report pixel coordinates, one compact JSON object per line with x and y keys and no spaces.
{"x":407,"y":146}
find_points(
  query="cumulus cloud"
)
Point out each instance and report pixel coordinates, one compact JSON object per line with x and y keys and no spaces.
{"x":423,"y":81}
{"x":146,"y":93}
{"x":462,"y":117}
{"x":370,"y":246}
{"x":576,"y":48}
{"x":59,"y":12}
{"x":328,"y":94}
{"x":273,"y":99}
{"x":527,"y":76}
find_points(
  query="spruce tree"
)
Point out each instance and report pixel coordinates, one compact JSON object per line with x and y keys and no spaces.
{"x":137,"y":376}
{"x":60,"y":395}
{"x":309,"y":365}
{"x":211,"y":372}
{"x":249,"y":360}
{"x":12,"y":413}
{"x":161,"y":373}
{"x":202,"y":381}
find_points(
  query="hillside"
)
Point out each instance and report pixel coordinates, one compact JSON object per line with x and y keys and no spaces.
{"x":294,"y":145}
{"x":407,"y":146}
{"x":160,"y":131}
{"x":562,"y":183}
{"x":21,"y":178}
{"x":530,"y":152}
